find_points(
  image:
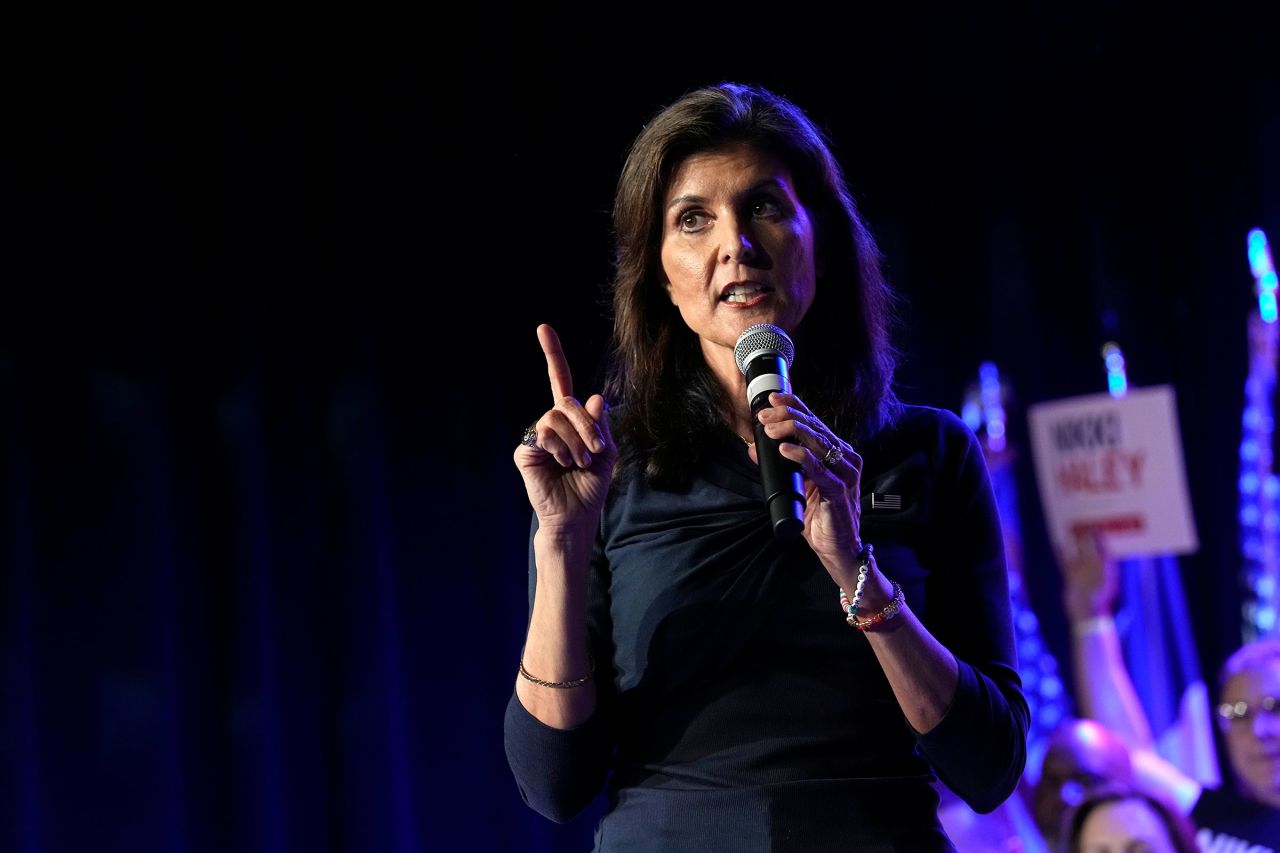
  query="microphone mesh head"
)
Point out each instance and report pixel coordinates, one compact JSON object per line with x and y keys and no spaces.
{"x":762,"y":338}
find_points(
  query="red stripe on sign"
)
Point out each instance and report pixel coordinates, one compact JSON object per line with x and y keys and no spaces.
{"x":1114,"y":524}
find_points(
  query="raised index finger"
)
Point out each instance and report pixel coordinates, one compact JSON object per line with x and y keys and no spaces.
{"x":557,"y":364}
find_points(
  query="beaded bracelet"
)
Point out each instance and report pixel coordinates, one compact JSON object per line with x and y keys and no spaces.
{"x":562,"y":685}
{"x":865,"y":557}
{"x":890,"y":610}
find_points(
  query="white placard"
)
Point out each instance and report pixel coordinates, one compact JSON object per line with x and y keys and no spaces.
{"x":1114,"y":463}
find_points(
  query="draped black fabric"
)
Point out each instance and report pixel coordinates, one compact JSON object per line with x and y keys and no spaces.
{"x":267,"y":344}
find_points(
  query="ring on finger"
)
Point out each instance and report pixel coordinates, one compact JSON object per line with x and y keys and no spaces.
{"x":834,"y":454}
{"x":530,"y":437}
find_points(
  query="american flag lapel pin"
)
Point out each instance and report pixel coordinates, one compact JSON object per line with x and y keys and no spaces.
{"x":881,"y":500}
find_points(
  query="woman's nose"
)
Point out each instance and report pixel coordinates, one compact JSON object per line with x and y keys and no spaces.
{"x":738,"y":244}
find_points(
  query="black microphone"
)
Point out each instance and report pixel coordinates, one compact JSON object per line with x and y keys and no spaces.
{"x":764,"y":354}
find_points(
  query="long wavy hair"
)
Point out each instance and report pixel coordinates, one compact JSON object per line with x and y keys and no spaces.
{"x":674,"y":409}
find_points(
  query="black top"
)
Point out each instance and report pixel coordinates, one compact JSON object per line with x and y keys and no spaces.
{"x":1227,"y":821}
{"x":738,"y":711}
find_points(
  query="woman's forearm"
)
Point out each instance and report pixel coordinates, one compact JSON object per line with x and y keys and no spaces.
{"x":920,"y":670}
{"x":555,"y":648}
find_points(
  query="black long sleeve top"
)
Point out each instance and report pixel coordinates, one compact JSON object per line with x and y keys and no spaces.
{"x":738,"y":711}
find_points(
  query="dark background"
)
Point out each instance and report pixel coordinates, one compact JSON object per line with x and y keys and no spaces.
{"x":268,"y":343}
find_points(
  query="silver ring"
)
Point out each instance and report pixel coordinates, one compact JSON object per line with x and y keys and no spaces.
{"x":530,"y":437}
{"x":834,"y":455}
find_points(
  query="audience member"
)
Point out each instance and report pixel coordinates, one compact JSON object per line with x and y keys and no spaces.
{"x":1082,"y":756}
{"x":1125,"y":820}
{"x":1244,"y":812}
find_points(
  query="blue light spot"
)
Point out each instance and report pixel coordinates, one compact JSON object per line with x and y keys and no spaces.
{"x":1113,"y":358}
{"x":1259,"y":253}
{"x":1264,"y":270}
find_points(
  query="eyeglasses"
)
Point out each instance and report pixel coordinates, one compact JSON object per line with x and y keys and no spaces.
{"x":1233,"y":711}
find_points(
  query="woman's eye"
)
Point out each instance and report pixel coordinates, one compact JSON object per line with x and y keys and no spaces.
{"x":692,"y":220}
{"x":765,"y":208}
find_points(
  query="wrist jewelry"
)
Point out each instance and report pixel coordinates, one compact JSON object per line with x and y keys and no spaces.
{"x":562,"y":685}
{"x":1104,"y":624}
{"x":865,"y":556}
{"x":891,"y":610}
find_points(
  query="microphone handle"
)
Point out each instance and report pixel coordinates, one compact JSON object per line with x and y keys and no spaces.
{"x":783,"y":487}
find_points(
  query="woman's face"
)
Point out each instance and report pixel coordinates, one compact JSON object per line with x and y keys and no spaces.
{"x":1124,"y":826}
{"x":1253,"y":741}
{"x":737,"y":246}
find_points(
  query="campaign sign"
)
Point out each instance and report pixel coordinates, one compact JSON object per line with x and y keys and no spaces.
{"x":1114,"y":463}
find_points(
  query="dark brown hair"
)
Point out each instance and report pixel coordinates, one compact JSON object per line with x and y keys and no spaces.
{"x":845,"y":359}
{"x":1179,"y":828}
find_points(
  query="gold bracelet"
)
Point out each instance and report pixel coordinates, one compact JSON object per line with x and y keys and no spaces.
{"x":891,"y":610}
{"x":577,"y":682}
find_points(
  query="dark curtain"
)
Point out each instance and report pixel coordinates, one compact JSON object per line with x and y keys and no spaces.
{"x":264,"y":544}
{"x":270,"y":292}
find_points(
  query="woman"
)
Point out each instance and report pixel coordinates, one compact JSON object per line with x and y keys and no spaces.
{"x":677,"y":649}
{"x":1124,"y":820}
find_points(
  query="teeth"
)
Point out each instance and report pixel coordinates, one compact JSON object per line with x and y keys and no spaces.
{"x":742,"y":293}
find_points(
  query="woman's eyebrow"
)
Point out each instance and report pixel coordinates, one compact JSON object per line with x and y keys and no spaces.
{"x":767,"y":183}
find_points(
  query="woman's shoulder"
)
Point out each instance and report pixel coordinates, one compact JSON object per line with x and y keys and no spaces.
{"x":937,"y":438}
{"x":919,"y":422}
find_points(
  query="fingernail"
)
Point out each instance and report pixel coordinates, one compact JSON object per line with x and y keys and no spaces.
{"x":586,"y":459}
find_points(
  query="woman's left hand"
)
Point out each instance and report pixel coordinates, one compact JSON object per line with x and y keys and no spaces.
{"x":832,"y":477}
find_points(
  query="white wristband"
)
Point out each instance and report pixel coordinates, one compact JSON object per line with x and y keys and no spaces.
{"x":1093,"y":625}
